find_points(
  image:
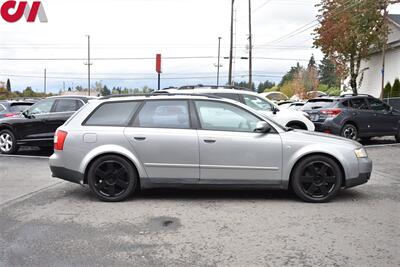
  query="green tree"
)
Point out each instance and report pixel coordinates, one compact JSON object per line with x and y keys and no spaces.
{"x":291,"y":74}
{"x":396,"y":88}
{"x":244,"y":84}
{"x":28,"y":92}
{"x":387,"y":91}
{"x":327,"y":73}
{"x":311,"y":81}
{"x":348,"y":30}
{"x":105,"y":91}
{"x":8,"y":86}
{"x":265,"y":85}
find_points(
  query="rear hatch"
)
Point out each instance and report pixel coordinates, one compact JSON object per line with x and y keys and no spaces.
{"x":314,"y":106}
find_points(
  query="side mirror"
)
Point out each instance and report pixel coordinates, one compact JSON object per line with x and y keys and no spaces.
{"x":262,"y":127}
{"x":274,"y":110}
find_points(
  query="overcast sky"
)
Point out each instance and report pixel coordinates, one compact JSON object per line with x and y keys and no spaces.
{"x":142,"y":28}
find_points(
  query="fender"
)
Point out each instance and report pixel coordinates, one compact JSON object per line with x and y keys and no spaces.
{"x":113,"y":149}
{"x":317,"y":149}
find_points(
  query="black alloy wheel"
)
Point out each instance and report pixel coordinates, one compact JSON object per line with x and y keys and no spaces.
{"x":350,"y":131}
{"x":316,"y":179}
{"x":112,"y":178}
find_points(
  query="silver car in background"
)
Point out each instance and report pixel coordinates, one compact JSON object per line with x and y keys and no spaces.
{"x":117,"y":145}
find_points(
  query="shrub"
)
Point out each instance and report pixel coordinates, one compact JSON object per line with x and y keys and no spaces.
{"x":387,"y":91}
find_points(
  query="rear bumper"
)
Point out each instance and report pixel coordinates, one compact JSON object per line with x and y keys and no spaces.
{"x":328,"y":126}
{"x":67,"y":174}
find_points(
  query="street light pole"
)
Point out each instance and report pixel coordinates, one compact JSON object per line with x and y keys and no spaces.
{"x":45,"y":77}
{"x":219,"y":55}
{"x":250,"y":51}
{"x":88,"y":64}
{"x":231,"y":48}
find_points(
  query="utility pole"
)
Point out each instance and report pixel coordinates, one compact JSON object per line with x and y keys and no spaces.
{"x":219,"y":55}
{"x":44,"y":85}
{"x":231,"y":48}
{"x":250,"y":51}
{"x":385,"y":14}
{"x":88,"y":64}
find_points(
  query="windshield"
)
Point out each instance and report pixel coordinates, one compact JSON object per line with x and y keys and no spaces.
{"x":257,"y":103}
{"x":318,"y":103}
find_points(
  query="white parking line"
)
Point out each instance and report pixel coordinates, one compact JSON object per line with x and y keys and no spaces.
{"x":382,"y":145}
{"x":24,"y":156}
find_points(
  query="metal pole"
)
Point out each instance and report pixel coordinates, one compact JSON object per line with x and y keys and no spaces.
{"x":231,"y":48}
{"x":45,"y":74}
{"x":219,"y":55}
{"x":250,"y":51}
{"x":159,"y":81}
{"x":88,"y":65}
{"x":384,"y":56}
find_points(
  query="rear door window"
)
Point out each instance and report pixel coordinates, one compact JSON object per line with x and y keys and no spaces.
{"x":359,"y":103}
{"x":113,"y":114}
{"x":164,"y":114}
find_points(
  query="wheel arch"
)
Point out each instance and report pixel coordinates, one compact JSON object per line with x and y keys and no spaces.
{"x":343,"y":173}
{"x":297,"y":122}
{"x":85,"y":175}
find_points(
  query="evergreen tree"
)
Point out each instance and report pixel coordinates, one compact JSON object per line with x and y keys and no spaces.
{"x":265,"y":85}
{"x":105,"y":91}
{"x":396,"y":88}
{"x":291,"y":74}
{"x":387,"y":92}
{"x":8,"y":86}
{"x":327,"y":73}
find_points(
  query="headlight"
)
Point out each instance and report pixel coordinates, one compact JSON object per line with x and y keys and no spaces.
{"x":361,"y":153}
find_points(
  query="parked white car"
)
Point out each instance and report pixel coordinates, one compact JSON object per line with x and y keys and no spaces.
{"x":285,"y":117}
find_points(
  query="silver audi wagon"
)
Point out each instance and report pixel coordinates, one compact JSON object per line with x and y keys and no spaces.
{"x":117,"y":145}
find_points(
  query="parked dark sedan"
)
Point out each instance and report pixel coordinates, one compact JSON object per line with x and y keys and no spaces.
{"x":12,"y":108}
{"x":354,"y":117}
{"x":36,"y":126}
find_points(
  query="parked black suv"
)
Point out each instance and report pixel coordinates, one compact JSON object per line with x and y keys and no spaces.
{"x":353,"y":117}
{"x":36,"y":126}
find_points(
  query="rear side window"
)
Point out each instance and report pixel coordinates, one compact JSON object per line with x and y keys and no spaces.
{"x":113,"y":114}
{"x":377,"y":105}
{"x":164,"y":114}
{"x":359,"y":103}
{"x":318,"y":103}
{"x":19,"y":107}
{"x":67,"y":105}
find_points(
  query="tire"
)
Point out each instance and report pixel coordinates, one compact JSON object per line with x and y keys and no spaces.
{"x":397,"y":137}
{"x":8,"y":142}
{"x":349,"y":131}
{"x":316,"y":179}
{"x":112,"y":178}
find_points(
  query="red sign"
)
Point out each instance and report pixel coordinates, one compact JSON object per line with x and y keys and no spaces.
{"x":12,"y":11}
{"x":158,"y":63}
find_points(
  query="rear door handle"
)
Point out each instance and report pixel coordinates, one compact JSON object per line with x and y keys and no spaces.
{"x":210,"y":140}
{"x":139,"y":138}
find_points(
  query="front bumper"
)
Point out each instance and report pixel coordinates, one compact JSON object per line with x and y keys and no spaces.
{"x":364,"y":169}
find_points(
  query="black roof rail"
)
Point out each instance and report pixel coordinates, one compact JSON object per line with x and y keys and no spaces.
{"x":190,"y":87}
{"x":162,"y":93}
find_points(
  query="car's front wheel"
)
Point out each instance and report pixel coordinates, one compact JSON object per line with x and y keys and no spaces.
{"x":112,"y":178}
{"x":8,"y":142}
{"x":350,"y":131}
{"x":316,"y":179}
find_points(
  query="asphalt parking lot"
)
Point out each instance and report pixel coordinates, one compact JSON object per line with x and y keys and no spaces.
{"x":49,"y":222}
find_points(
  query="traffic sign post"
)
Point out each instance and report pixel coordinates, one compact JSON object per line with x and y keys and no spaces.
{"x":158,"y":69}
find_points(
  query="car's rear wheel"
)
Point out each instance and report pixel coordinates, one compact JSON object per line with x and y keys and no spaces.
{"x":112,"y":178}
{"x":8,"y":142}
{"x":316,"y":179}
{"x":350,"y":131}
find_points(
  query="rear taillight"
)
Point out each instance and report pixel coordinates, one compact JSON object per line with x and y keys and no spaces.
{"x":59,"y":140}
{"x":10,"y":114}
{"x":331,"y":112}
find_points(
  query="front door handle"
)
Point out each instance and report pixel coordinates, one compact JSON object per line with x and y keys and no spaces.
{"x":210,"y":140}
{"x":139,"y":138}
